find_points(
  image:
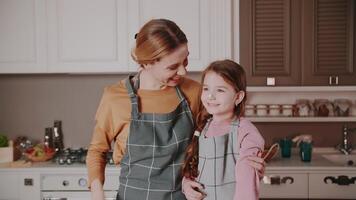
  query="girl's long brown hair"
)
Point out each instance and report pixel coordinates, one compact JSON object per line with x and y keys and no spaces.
{"x":233,"y":74}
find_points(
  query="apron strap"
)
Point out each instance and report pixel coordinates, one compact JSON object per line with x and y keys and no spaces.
{"x":234,"y":133}
{"x":132,"y":94}
{"x":131,"y":90}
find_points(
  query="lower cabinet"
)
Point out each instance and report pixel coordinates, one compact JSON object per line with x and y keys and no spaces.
{"x":284,"y":185}
{"x":329,"y":185}
{"x":19,"y":186}
{"x":332,"y":185}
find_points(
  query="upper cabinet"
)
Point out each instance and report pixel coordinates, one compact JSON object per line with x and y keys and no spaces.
{"x":87,"y":36}
{"x":207,"y":25}
{"x":63,"y":36}
{"x":22,"y":36}
{"x":298,"y":42}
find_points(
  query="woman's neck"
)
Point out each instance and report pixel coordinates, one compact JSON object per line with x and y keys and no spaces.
{"x":148,"y":82}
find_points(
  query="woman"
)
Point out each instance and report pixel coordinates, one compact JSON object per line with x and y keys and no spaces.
{"x":149,"y":117}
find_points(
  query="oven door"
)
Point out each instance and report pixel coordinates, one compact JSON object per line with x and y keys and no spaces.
{"x":80,"y":195}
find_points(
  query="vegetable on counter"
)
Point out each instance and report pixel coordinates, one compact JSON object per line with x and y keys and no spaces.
{"x":4,"y":142}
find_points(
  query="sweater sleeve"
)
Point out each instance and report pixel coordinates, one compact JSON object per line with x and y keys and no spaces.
{"x":247,"y":180}
{"x":101,"y":140}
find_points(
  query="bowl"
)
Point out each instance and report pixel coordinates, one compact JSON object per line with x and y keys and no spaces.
{"x":42,"y":158}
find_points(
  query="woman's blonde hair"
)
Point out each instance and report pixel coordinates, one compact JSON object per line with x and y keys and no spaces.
{"x":157,"y":38}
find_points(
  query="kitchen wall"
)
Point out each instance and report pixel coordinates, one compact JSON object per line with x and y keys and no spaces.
{"x":29,"y":103}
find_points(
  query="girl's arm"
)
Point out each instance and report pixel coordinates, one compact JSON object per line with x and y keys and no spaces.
{"x":247,"y":176}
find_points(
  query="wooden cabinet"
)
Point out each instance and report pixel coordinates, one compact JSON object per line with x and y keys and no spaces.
{"x":298,"y":42}
{"x":22,"y":36}
{"x":62,"y":36}
{"x":329,"y":42}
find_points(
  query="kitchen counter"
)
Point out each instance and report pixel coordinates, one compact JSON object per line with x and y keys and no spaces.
{"x":317,"y":163}
{"x":277,"y":163}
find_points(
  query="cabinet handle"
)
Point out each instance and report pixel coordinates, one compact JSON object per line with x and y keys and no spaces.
{"x":333,"y":80}
{"x":277,"y":180}
{"x":285,"y":179}
{"x":340,"y":180}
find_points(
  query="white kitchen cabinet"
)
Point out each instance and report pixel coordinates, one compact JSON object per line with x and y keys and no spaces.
{"x":87,"y":36}
{"x":63,"y":36}
{"x":22,"y":36}
{"x":284,"y":185}
{"x":19,"y":186}
{"x":340,"y":185}
{"x":207,"y":25}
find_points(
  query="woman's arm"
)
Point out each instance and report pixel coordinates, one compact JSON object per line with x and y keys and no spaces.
{"x":97,"y":192}
{"x":99,"y":145}
{"x":248,"y":165}
{"x":191,"y":189}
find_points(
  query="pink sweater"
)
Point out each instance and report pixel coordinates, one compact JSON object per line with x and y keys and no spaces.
{"x":247,"y":180}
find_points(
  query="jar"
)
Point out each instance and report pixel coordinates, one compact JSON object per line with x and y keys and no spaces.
{"x":353,"y":109}
{"x":274,"y":110}
{"x":342,"y":107}
{"x":287,"y":110}
{"x":323,"y":108}
{"x":303,"y":107}
{"x":249,"y":110}
{"x":261,"y":110}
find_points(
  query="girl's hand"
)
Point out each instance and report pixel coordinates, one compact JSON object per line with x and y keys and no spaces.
{"x":192,"y":189}
{"x":258,"y":163}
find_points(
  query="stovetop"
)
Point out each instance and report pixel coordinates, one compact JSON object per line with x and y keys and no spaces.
{"x":69,"y":156}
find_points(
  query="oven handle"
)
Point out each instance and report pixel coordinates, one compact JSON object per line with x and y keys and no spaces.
{"x":54,"y":198}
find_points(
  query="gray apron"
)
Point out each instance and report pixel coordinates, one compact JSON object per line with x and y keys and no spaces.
{"x":155,"y":151}
{"x":217,"y":161}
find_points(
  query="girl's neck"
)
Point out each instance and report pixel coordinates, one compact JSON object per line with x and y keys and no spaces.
{"x":223,"y":119}
{"x":148,"y":82}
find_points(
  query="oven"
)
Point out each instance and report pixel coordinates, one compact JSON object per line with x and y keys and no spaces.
{"x":73,"y":186}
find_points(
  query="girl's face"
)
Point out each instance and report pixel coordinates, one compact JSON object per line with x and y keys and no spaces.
{"x":170,"y":68}
{"x":219,"y":97}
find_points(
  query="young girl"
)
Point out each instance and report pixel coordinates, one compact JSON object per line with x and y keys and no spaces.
{"x":220,"y":169}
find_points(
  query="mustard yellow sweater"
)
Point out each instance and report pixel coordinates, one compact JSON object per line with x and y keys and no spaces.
{"x":113,"y":119}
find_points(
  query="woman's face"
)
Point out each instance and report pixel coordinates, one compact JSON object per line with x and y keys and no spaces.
{"x":218,"y":96}
{"x":170,"y":68}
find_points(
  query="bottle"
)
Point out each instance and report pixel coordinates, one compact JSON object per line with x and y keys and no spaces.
{"x":58,"y":136}
{"x":48,"y":138}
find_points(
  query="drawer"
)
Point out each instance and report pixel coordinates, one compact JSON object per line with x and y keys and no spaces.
{"x":284,"y":185}
{"x":76,"y":182}
{"x":332,"y":185}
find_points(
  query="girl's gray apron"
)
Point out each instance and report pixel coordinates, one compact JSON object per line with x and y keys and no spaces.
{"x":217,"y":160}
{"x":155,"y":151}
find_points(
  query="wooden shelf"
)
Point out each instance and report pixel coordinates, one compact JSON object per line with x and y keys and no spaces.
{"x":302,"y":119}
{"x":302,"y":89}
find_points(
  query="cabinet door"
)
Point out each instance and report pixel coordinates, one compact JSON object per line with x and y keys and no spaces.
{"x":22,"y":36}
{"x":329,"y":42}
{"x":332,"y":185}
{"x":207,"y":25}
{"x":9,"y":182}
{"x":270,"y":41}
{"x":29,"y":185}
{"x":87,"y":36}
{"x":284,"y":185}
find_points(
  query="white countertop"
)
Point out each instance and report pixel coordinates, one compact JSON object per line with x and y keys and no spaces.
{"x":318,"y":163}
